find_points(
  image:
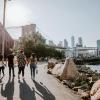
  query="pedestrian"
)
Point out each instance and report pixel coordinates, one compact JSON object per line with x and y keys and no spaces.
{"x":21,"y":63}
{"x":33,"y":65}
{"x":10,"y":59}
{"x":1,"y":65}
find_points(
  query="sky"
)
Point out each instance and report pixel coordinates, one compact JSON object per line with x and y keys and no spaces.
{"x":56,"y":19}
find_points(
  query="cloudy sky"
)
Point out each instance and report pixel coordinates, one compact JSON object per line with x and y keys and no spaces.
{"x":56,"y":19}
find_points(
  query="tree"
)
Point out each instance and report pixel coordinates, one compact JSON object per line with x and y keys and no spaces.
{"x":35,"y":42}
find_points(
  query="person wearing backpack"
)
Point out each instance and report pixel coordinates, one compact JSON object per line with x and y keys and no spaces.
{"x":21,"y":63}
{"x":10,"y":59}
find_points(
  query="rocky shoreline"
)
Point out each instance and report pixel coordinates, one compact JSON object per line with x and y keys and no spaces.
{"x":79,"y":78}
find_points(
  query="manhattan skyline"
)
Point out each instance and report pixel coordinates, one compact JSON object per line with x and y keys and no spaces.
{"x":56,"y":19}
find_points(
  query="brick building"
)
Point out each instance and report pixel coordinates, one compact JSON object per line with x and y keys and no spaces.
{"x":9,"y":42}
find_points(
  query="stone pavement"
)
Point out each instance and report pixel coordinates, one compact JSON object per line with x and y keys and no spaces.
{"x":45,"y":87}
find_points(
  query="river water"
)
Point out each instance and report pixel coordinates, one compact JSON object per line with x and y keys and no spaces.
{"x":95,"y":67}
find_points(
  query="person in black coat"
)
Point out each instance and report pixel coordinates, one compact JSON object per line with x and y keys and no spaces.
{"x":10,"y":59}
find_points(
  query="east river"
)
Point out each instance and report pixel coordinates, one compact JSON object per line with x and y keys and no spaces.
{"x":95,"y":67}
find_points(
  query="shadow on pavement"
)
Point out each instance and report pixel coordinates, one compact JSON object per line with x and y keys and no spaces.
{"x":9,"y":89}
{"x":25,"y":91}
{"x":46,"y":94}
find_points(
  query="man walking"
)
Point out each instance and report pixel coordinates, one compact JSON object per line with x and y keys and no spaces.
{"x":21,"y":63}
{"x":10,"y":59}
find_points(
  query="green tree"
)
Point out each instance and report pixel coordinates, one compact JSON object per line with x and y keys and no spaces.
{"x":36,"y":43}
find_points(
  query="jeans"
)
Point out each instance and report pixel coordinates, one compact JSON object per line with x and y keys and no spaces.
{"x":32,"y":69}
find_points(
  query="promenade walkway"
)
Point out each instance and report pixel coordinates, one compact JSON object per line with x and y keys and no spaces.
{"x":45,"y":87}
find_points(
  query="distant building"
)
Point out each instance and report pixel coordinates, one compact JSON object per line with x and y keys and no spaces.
{"x":80,"y":42}
{"x":81,"y":52}
{"x":98,"y":47}
{"x":72,"y":41}
{"x":65,"y":43}
{"x":60,"y":44}
{"x":28,"y":29}
{"x":29,"y":33}
{"x":98,"y":43}
{"x":9,"y":42}
{"x":51,"y":43}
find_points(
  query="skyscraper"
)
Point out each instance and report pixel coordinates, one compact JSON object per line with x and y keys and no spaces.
{"x":60,"y":44}
{"x":72,"y":41}
{"x":65,"y":43}
{"x":80,"y":42}
{"x":98,"y":43}
{"x":98,"y":48}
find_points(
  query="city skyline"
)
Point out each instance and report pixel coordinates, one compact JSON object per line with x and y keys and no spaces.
{"x":56,"y":19}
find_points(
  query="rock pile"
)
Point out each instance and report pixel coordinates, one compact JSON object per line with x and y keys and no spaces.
{"x":58,"y":69}
{"x":95,"y":91}
{"x":78,"y":78}
{"x":51,"y":65}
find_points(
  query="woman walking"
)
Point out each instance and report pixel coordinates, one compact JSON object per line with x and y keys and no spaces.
{"x":33,"y":65}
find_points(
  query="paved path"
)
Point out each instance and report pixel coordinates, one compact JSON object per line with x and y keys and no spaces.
{"x":46,"y":87}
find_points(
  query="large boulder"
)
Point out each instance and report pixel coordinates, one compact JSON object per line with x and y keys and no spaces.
{"x":51,"y":63}
{"x":58,"y":69}
{"x":70,"y":70}
{"x":96,"y":96}
{"x":95,"y":91}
